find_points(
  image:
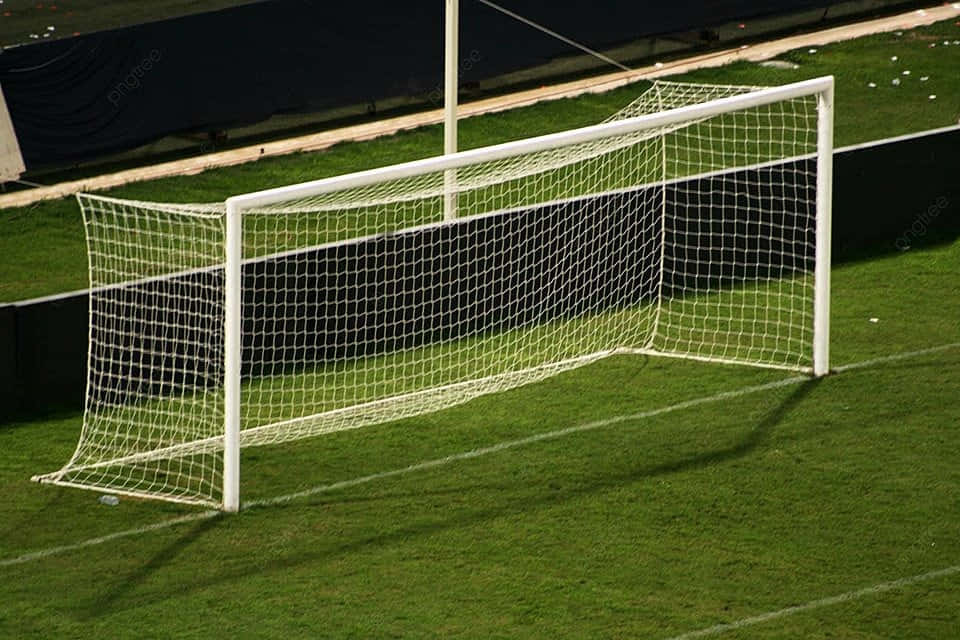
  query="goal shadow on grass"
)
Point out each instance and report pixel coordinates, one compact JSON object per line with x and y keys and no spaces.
{"x":114,"y":597}
{"x":127,"y":584}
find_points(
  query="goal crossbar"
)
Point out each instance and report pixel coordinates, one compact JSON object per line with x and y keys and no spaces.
{"x":546,"y":142}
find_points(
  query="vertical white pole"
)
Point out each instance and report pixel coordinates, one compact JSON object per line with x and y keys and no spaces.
{"x":233,"y":315}
{"x":821,"y":304}
{"x":450,"y":82}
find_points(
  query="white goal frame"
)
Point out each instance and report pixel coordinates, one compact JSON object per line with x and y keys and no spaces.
{"x":822,"y":88}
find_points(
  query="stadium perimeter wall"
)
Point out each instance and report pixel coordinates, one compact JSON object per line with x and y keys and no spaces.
{"x":84,"y":97}
{"x":889,"y":195}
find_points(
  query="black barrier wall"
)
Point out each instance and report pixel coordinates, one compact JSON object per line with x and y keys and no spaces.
{"x":887,"y":197}
{"x":479,"y":276}
{"x":82,"y":97}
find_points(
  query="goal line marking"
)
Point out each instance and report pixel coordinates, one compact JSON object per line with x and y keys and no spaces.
{"x":873,"y":590}
{"x":467,"y":455}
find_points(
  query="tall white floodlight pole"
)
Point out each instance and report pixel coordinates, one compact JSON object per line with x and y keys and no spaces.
{"x":821,"y":300}
{"x":450,"y":80}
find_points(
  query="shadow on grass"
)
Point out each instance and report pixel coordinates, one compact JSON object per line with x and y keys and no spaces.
{"x":118,"y":596}
{"x":125,"y":585}
{"x":10,"y":420}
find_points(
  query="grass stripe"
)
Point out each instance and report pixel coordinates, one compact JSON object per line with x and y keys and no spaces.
{"x":817,"y":604}
{"x":91,"y":542}
{"x":476,"y":453}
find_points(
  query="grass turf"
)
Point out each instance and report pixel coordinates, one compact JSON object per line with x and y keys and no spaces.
{"x":649,"y":527}
{"x":42,"y":246}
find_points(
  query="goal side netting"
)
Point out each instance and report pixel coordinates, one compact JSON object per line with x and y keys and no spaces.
{"x":383,"y":295}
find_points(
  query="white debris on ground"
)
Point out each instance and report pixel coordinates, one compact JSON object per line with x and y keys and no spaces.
{"x":779,"y":64}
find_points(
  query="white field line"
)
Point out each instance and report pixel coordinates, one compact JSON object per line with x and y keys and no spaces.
{"x":92,"y":542}
{"x":539,"y":437}
{"x":467,"y":455}
{"x":873,"y":590}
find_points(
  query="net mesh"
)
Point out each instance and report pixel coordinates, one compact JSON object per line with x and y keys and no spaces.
{"x":365,"y":305}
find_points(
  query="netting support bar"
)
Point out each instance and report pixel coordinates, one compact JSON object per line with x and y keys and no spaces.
{"x":821,"y":299}
{"x":233,"y":314}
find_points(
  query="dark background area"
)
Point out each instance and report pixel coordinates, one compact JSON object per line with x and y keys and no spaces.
{"x":84,"y":97}
{"x":877,"y":188}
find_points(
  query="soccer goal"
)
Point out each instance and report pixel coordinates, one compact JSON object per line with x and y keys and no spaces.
{"x":694,"y":224}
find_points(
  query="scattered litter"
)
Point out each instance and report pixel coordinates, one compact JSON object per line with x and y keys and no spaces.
{"x":924,"y":78}
{"x":956,"y":42}
{"x":899,"y":33}
{"x":34,"y":36}
{"x":932,"y":96}
{"x":893,"y":58}
{"x":933,"y":44}
{"x":946,"y":43}
{"x":906,"y":72}
{"x":812,"y":51}
{"x":46,"y":35}
{"x":110,"y":501}
{"x":895,"y":81}
{"x":744,"y":46}
{"x":874,"y":320}
{"x":779,"y":64}
{"x":921,"y":12}
{"x":51,"y":28}
{"x":872,"y":85}
{"x":658,"y":65}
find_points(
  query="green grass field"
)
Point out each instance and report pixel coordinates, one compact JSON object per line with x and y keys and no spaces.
{"x":632,"y":498}
{"x":648,"y":526}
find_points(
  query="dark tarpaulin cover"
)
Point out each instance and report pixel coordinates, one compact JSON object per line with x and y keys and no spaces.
{"x":82,"y":97}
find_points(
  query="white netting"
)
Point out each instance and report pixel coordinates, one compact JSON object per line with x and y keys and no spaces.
{"x":363,"y":305}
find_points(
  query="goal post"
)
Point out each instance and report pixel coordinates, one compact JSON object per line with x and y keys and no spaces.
{"x":693,"y":224}
{"x":824,"y":231}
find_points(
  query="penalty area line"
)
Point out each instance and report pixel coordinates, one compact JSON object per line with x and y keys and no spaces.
{"x":92,"y":542}
{"x":539,"y":437}
{"x":467,"y":455}
{"x":872,"y":590}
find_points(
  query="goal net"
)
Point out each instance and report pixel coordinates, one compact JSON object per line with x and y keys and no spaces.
{"x":687,"y":225}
